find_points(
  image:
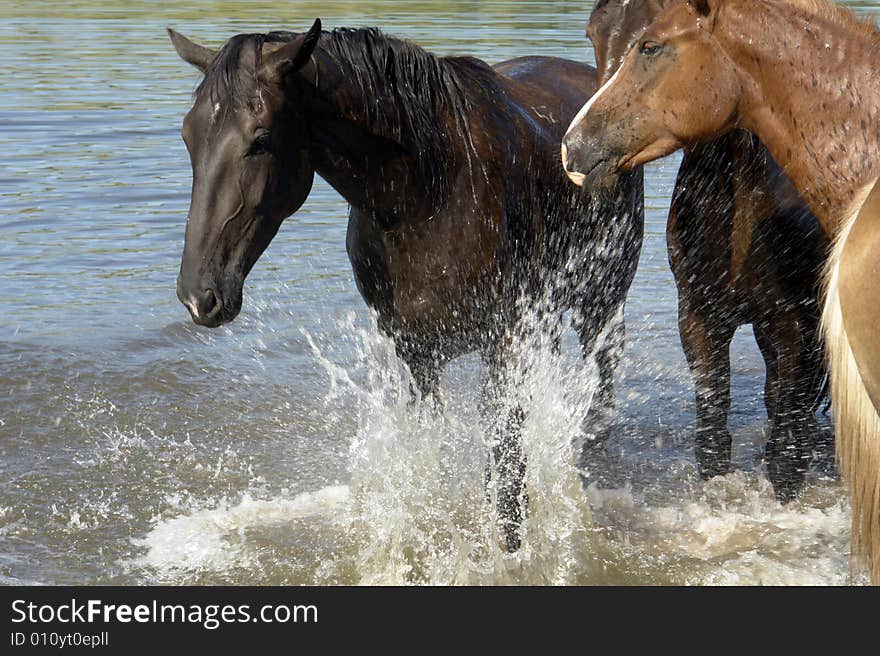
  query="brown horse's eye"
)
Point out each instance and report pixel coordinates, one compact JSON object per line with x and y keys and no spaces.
{"x":650,"y":48}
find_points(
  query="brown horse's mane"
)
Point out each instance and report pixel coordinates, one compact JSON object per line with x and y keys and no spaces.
{"x":827,"y":9}
{"x":841,"y":16}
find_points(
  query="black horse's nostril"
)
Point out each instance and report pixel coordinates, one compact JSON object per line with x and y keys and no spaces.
{"x":209,"y":304}
{"x":205,"y":307}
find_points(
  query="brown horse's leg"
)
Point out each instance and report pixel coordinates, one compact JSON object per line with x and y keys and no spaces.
{"x":426,"y":374}
{"x":707,"y":349}
{"x":504,"y":418}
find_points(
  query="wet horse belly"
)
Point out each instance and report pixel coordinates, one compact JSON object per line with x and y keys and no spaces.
{"x":440,"y":283}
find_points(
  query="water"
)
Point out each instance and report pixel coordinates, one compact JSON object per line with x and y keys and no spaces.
{"x":138,"y":448}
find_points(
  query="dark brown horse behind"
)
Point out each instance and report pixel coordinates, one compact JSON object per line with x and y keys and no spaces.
{"x":744,"y":249}
{"x":462,"y":220}
{"x":802,"y":76}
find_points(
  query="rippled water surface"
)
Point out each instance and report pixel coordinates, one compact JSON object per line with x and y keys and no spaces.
{"x":138,"y":448}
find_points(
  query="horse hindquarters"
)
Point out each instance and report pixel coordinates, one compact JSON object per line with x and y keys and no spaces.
{"x":738,"y":259}
{"x":851,"y":319}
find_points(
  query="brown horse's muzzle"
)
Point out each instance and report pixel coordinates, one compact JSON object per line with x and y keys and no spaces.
{"x":587,"y":157}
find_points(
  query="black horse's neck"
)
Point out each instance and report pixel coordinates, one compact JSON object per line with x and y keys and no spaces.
{"x":388,"y":121}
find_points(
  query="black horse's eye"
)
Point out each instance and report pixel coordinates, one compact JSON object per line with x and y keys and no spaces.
{"x":261,"y":145}
{"x":649,"y":48}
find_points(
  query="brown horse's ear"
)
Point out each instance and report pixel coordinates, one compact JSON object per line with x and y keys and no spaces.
{"x":702,"y":6}
{"x":192,"y":53}
{"x":293,"y":56}
{"x":708,"y":10}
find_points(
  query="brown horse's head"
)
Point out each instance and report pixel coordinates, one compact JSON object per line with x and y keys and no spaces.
{"x":250,"y":161}
{"x":676,"y":86}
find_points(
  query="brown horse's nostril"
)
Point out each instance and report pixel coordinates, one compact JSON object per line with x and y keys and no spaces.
{"x":569,"y":163}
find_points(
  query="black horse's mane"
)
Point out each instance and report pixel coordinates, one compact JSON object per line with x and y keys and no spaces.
{"x":425,"y":92}
{"x":422,"y":89}
{"x":421,"y":83}
{"x":224,"y":79}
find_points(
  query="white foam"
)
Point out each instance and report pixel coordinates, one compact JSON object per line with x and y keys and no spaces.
{"x":734,"y":532}
{"x":213,"y":539}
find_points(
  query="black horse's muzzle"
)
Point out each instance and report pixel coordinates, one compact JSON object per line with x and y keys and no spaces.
{"x":205,"y":304}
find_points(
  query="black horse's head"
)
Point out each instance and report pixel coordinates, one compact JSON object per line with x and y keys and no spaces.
{"x":250,"y":161}
{"x":614,"y":26}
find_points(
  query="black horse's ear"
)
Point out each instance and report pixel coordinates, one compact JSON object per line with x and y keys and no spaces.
{"x":192,"y":53}
{"x":294,"y":55}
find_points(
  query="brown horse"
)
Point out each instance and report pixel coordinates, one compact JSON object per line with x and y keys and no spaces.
{"x":802,"y":76}
{"x":461,"y":220}
{"x":744,"y":249}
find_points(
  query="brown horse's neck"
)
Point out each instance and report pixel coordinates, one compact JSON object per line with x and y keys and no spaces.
{"x":811,"y":93}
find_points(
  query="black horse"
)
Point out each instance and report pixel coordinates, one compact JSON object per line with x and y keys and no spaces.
{"x":460,"y":209}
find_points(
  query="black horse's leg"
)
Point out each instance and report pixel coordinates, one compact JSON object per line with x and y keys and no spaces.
{"x":504,"y":420}
{"x":793,"y":430}
{"x":425,"y":369}
{"x":607,"y":357}
{"x":824,"y":452}
{"x":426,"y":376}
{"x":771,"y":366}
{"x":707,"y":349}
{"x":821,"y":439}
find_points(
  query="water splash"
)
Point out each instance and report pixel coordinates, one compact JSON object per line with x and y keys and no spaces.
{"x":414,"y":507}
{"x":420,"y":505}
